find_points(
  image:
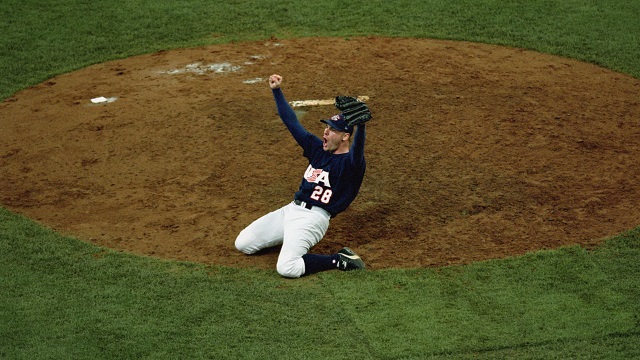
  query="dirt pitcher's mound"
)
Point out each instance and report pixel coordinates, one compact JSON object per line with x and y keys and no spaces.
{"x":474,"y":152}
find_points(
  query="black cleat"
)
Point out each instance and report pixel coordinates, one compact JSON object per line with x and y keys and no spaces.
{"x":349,"y":260}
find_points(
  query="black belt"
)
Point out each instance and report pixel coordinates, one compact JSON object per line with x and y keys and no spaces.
{"x":303,"y":204}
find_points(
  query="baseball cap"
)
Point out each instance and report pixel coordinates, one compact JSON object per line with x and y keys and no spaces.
{"x":339,"y":123}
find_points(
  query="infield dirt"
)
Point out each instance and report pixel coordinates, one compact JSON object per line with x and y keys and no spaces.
{"x":475,"y":151}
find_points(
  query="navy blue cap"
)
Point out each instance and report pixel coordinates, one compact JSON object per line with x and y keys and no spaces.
{"x":339,"y":123}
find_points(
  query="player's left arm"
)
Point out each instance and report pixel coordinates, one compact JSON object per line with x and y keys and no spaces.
{"x":356,"y":113}
{"x":357,"y":147}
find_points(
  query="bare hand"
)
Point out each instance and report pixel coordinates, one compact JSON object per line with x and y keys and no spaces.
{"x":275,"y":81}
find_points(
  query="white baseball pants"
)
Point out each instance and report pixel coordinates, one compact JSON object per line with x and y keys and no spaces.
{"x":298,"y":229}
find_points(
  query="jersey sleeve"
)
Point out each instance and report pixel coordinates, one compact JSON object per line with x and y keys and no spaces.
{"x":357,"y":147}
{"x":290,"y":120}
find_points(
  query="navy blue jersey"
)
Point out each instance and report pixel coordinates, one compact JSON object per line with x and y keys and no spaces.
{"x":331,"y":181}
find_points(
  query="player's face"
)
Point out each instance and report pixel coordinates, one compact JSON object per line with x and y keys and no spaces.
{"x":333,"y":139}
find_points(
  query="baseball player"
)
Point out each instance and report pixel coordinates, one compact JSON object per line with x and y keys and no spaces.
{"x":329,"y":184}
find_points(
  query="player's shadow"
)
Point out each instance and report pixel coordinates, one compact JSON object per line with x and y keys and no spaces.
{"x":275,"y":250}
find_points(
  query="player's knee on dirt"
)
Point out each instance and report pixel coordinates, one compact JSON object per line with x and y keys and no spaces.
{"x":245,"y":243}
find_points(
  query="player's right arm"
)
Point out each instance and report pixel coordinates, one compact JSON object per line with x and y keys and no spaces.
{"x":288,"y":116}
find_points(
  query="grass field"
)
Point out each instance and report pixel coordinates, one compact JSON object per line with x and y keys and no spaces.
{"x":61,"y":298}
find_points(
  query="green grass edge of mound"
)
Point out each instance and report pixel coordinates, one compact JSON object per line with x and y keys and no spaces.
{"x":65,"y":298}
{"x":42,"y":39}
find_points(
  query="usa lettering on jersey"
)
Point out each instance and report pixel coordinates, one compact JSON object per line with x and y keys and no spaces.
{"x":317,"y":176}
